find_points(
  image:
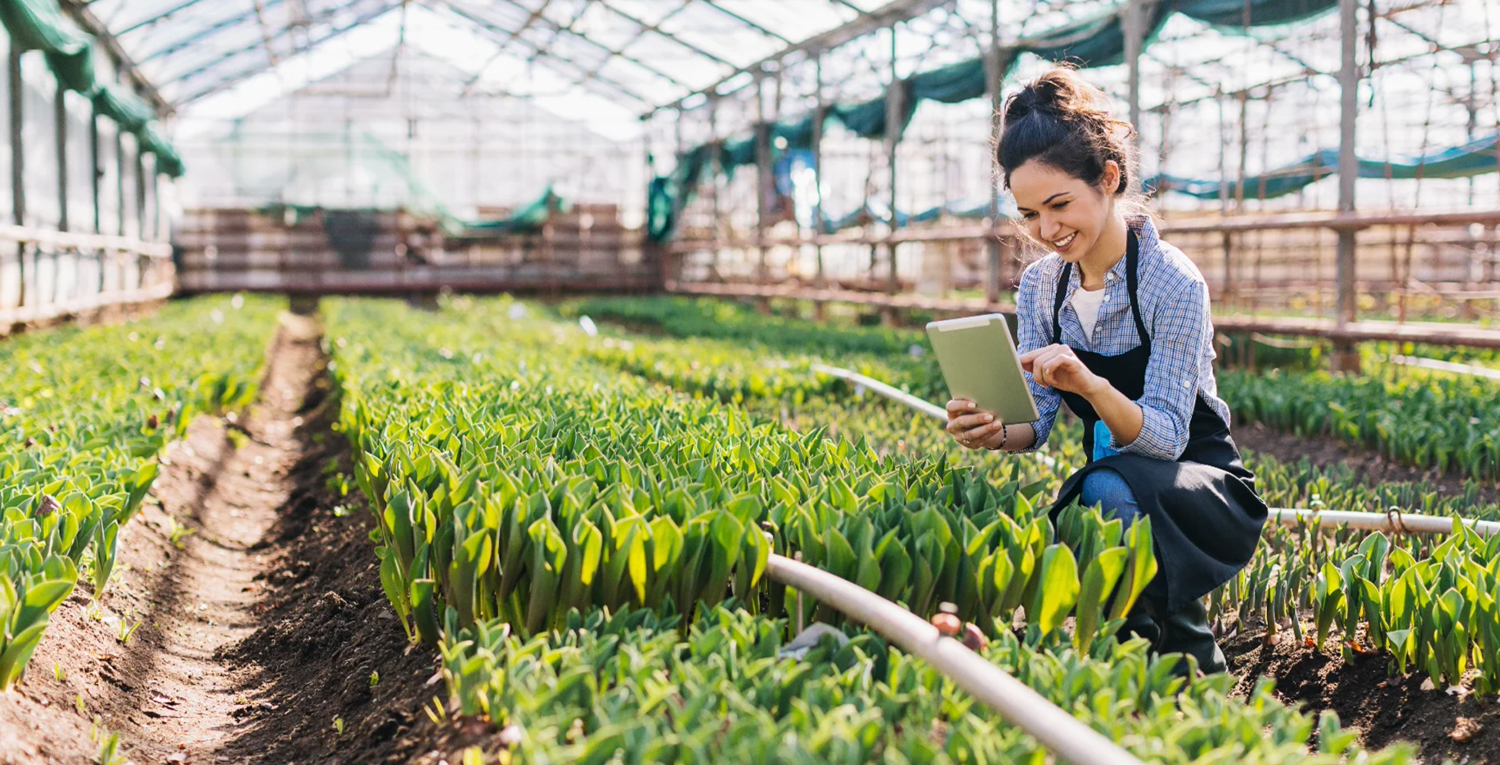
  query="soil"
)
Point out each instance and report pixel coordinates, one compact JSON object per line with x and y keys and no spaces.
{"x":1369,"y":464}
{"x":268,"y":623}
{"x":1446,"y":727}
{"x":256,"y":632}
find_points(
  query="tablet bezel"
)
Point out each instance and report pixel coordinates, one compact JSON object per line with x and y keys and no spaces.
{"x":974,"y":368}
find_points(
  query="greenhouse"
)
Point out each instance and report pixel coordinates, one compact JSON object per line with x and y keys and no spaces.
{"x":471,"y":382}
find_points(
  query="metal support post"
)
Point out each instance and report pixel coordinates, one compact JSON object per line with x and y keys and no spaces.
{"x":762,"y":179}
{"x":1134,"y":25}
{"x":893,"y":111}
{"x":60,"y":124}
{"x":820,"y":114}
{"x":993,"y":78}
{"x":60,"y":132}
{"x":96,"y":174}
{"x":17,"y":165}
{"x":717,"y":234}
{"x":120,"y":182}
{"x":140,"y":192}
{"x":1345,"y":355}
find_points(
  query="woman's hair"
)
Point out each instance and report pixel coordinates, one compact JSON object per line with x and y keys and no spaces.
{"x":1062,"y":121}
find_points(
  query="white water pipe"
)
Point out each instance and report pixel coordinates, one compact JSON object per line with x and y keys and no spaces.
{"x":1060,"y":732}
{"x":1394,"y":522}
{"x":1446,"y":366}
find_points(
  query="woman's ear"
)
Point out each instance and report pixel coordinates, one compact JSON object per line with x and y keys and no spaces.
{"x":1111,"y":179}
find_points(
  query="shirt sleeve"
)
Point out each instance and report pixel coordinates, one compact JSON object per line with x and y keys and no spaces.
{"x":1035,"y":331}
{"x":1180,"y":329}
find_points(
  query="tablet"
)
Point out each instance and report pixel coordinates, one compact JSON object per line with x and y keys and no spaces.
{"x":980,"y":363}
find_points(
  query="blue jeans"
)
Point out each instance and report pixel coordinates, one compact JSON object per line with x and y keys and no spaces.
{"x":1107,"y":489}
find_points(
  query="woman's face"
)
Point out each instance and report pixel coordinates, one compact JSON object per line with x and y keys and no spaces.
{"x":1062,"y":212}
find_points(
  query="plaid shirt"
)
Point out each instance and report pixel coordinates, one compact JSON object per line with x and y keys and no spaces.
{"x":1174,"y":305}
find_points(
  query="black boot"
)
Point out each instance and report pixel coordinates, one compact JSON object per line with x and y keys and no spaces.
{"x":1187,"y":632}
{"x":1141,"y":623}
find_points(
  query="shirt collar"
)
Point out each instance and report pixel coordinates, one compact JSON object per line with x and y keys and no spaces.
{"x":1145,"y":234}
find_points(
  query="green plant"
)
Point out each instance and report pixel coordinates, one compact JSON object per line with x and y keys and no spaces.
{"x":126,"y":631}
{"x":85,"y":413}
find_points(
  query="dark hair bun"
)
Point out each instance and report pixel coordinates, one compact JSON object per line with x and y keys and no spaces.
{"x":1065,"y":122}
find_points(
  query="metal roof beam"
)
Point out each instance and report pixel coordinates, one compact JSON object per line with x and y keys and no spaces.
{"x":543,"y":57}
{"x":657,"y":29}
{"x":246,"y":74}
{"x":865,"y":23}
{"x":237,"y":52}
{"x":158,"y":17}
{"x":554,"y":26}
{"x":501,"y":48}
{"x":557,"y":32}
{"x":199,"y":36}
{"x":122,"y":59}
{"x":745,"y":21}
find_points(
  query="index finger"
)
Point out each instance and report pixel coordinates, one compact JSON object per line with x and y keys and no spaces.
{"x":1029,"y":356}
{"x":960,"y":406}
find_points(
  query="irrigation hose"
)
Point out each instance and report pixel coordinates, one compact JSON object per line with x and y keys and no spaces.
{"x":1057,"y":730}
{"x":1445,"y":366}
{"x":1395,"y":522}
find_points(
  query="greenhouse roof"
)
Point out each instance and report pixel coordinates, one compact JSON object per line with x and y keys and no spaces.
{"x":639,"y":53}
{"x":610,"y":62}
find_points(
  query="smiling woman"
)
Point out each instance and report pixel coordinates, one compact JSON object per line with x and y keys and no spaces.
{"x":1115,"y":322}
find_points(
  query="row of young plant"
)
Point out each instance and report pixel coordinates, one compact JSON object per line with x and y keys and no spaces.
{"x":586,"y":471}
{"x":586,"y":550}
{"x":83,"y":414}
{"x":1418,"y":418}
{"x":1451,"y":423}
{"x":785,"y":389}
{"x":632,"y":686}
{"x":1429,"y":610}
{"x":1356,"y":584}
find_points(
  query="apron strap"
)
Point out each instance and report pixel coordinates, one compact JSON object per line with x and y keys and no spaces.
{"x":1057,"y":304}
{"x":1132,"y":281}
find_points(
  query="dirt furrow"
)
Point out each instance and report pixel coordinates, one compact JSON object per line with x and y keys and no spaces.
{"x":245,"y":616}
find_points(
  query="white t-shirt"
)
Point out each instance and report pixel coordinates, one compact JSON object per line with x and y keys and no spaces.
{"x":1086,"y":303}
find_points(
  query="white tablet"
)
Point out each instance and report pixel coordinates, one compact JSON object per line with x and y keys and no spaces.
{"x":980,"y":363}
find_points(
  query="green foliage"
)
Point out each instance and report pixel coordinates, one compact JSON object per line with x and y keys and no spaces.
{"x":1446,"y":422}
{"x":635,"y":686}
{"x":530,"y":483}
{"x":586,"y":550}
{"x":83,"y":414}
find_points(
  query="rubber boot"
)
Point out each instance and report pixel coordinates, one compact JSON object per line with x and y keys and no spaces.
{"x":1187,"y":632}
{"x":1141,"y":623}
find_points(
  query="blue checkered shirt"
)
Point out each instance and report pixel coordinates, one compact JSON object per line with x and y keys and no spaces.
{"x":1174,"y":305}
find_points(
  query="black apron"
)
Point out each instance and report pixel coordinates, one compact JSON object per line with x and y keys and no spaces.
{"x":1205,"y":515}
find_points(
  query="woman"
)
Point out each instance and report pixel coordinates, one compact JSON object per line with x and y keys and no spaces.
{"x":1115,"y":323}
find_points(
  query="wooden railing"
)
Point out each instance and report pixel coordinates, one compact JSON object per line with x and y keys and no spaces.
{"x":105,"y":271}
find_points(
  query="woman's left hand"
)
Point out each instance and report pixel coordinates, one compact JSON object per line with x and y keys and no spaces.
{"x":1056,"y":366}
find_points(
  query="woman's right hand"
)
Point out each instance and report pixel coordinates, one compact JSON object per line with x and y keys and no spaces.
{"x":971,"y":428}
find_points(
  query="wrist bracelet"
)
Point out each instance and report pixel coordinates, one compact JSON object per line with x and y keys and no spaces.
{"x":1004,"y":436}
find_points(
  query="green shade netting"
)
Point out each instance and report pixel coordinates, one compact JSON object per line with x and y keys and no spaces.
{"x":1473,"y":158}
{"x":40,"y":25}
{"x":168,"y":161}
{"x":667,"y":195}
{"x":874,"y":213}
{"x":528,"y":218}
{"x":127,"y":109}
{"x":1095,"y":41}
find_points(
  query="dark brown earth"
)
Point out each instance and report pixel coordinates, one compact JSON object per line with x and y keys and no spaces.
{"x":259,"y":631}
{"x":1446,"y":727}
{"x":1323,"y":451}
{"x":266,"y":625}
